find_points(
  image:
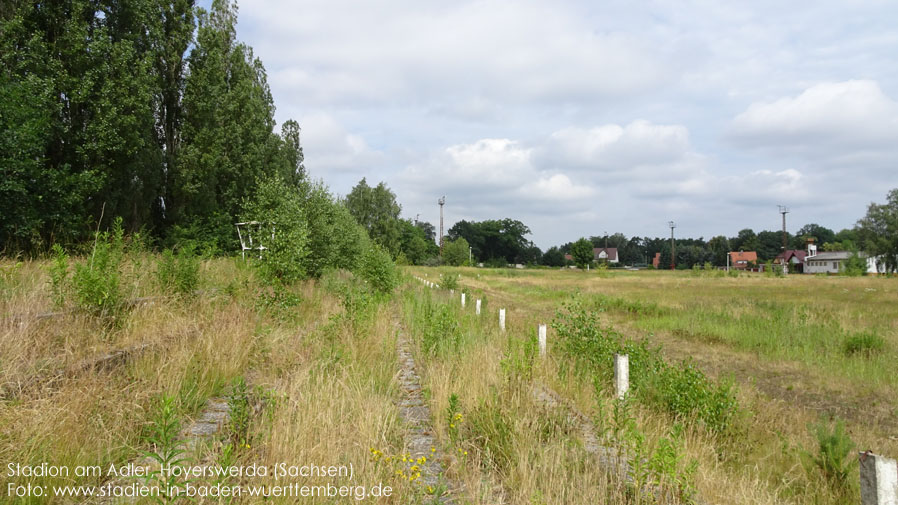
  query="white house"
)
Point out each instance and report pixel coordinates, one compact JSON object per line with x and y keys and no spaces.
{"x":832,"y":262}
{"x":607,"y":254}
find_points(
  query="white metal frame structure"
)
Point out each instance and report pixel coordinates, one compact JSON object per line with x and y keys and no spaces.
{"x":247,"y":243}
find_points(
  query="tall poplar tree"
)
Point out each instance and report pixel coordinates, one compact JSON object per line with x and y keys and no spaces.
{"x":227,"y":142}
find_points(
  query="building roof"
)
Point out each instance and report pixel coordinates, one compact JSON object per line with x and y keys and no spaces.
{"x":737,"y":256}
{"x":791,"y":253}
{"x":835,"y":255}
{"x":611,"y":252}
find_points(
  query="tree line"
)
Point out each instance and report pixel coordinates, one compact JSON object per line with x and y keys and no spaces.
{"x":151,"y":111}
{"x":498,"y":242}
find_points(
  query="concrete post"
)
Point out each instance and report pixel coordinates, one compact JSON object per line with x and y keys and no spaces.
{"x":477,"y":307}
{"x":462,"y":300}
{"x":621,"y":375}
{"x":879,"y":479}
{"x":541,"y":334}
{"x":502,"y":319}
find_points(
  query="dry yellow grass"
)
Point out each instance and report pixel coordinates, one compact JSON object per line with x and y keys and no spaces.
{"x":764,"y":464}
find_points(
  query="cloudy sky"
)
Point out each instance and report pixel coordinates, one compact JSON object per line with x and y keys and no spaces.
{"x":584,"y":117}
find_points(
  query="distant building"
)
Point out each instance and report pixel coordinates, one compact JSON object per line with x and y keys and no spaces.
{"x":656,"y":261}
{"x":793,"y":257}
{"x":740,"y":260}
{"x":607,"y":254}
{"x":832,"y":262}
{"x":600,"y":254}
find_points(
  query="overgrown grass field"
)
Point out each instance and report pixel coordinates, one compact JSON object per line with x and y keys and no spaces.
{"x":744,"y":390}
{"x":801,"y":355}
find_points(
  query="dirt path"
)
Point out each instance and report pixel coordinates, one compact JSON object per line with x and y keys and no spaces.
{"x":420,"y":440}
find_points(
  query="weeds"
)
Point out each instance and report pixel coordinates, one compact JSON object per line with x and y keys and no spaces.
{"x":59,"y":275}
{"x":865,"y":344}
{"x":440,"y":333}
{"x":833,"y":459}
{"x":240,"y":413}
{"x":520,"y":354}
{"x":96,"y":283}
{"x":279,"y":300}
{"x":178,"y":273}
{"x":167,"y":451}
{"x":454,"y":418}
{"x":449,"y":281}
{"x":682,"y":390}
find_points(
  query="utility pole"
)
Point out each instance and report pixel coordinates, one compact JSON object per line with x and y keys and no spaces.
{"x":673,"y":263}
{"x":441,"y":201}
{"x":606,"y":242}
{"x":784,"y":210}
{"x":416,"y":219}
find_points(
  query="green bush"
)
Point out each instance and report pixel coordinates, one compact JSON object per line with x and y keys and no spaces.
{"x":854,"y":266}
{"x":687,"y":391}
{"x":441,"y":332}
{"x":449,"y":281}
{"x":178,"y":273}
{"x":59,"y":274}
{"x":865,"y":344}
{"x":279,"y":207}
{"x":681,"y":390}
{"x":378,"y":269}
{"x":833,"y":458}
{"x":96,"y":282}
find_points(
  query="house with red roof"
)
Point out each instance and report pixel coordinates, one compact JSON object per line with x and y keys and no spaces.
{"x":740,"y":260}
{"x":793,"y":257}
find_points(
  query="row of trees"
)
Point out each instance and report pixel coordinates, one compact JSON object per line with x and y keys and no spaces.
{"x":377,"y":211}
{"x":498,"y":242}
{"x":148,"y":110}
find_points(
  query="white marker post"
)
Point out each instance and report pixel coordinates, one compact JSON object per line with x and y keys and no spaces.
{"x":502,"y":319}
{"x":879,"y":479}
{"x":462,"y":300}
{"x":477,"y":307}
{"x":621,"y":375}
{"x":541,"y":335}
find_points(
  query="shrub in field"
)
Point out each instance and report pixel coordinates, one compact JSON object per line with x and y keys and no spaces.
{"x":96,"y":282}
{"x":685,"y":391}
{"x":682,"y":390}
{"x":335,"y":240}
{"x":636,"y":307}
{"x":378,"y":269}
{"x":59,"y":275}
{"x":166,"y":450}
{"x":833,"y":459}
{"x":440,"y":331}
{"x":240,"y":413}
{"x":520,"y":354}
{"x":279,"y":300}
{"x":449,"y":281}
{"x":864,"y":344}
{"x":279,"y":206}
{"x":854,"y":266}
{"x":178,"y":273}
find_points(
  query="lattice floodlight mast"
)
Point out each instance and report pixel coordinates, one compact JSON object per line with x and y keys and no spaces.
{"x":246,"y":231}
{"x":673,"y":263}
{"x":441,"y":201}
